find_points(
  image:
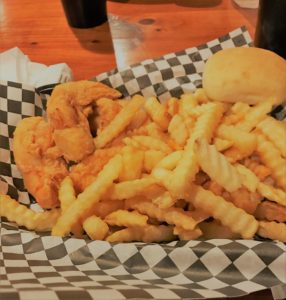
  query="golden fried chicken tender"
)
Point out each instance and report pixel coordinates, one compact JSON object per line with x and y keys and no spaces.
{"x":74,"y":143}
{"x":34,"y":152}
{"x":106,"y":110}
{"x":69,"y":107}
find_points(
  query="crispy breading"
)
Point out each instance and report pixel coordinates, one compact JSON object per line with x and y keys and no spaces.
{"x":69,"y":107}
{"x":41,"y":171}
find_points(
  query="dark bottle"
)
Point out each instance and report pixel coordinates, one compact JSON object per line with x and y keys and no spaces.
{"x":271,"y":26}
{"x":85,"y":13}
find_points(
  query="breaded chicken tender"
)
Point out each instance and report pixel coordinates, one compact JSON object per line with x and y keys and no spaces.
{"x":69,"y":107}
{"x":38,"y":160}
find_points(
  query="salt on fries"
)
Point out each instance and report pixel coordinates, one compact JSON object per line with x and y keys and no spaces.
{"x":183,"y":169}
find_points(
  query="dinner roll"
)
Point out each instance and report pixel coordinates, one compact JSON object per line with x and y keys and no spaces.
{"x":249,"y":75}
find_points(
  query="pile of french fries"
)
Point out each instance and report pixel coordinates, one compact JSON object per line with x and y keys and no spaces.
{"x":184,"y":169}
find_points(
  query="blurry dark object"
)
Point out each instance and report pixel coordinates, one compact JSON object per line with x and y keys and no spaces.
{"x":271,"y":26}
{"x":85,"y":13}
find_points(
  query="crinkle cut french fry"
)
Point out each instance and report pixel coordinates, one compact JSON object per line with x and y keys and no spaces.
{"x":177,"y":182}
{"x":67,"y":196}
{"x":236,"y":113}
{"x":275,"y":131}
{"x":66,"y":193}
{"x":271,"y":157}
{"x":245,"y":142}
{"x":152,"y":143}
{"x":201,"y":109}
{"x":201,"y":96}
{"x":129,"y":189}
{"x":95,"y":228}
{"x":206,"y":123}
{"x":248,"y":178}
{"x":240,"y":108}
{"x":186,"y":104}
{"x":178,"y":130}
{"x":233,"y":155}
{"x":23,"y":216}
{"x":147,"y":234}
{"x":163,"y":175}
{"x":272,"y":193}
{"x":222,"y":144}
{"x":129,"y":204}
{"x":165,"y":200}
{"x":82,"y":207}
{"x":229,"y":215}
{"x":153,"y":130}
{"x":120,"y":122}
{"x":138,"y":119}
{"x":187,"y":235}
{"x":132,"y":163}
{"x":190,"y":124}
{"x":172,"y":215}
{"x":151,"y":159}
{"x":128,"y":141}
{"x":158,"y":234}
{"x":126,"y":218}
{"x":170,"y":161}
{"x":126,"y":235}
{"x":217,"y":167}
{"x":254,"y":115}
{"x":272,"y":230}
{"x":257,"y":168}
{"x":184,"y":173}
{"x":157,"y":112}
{"x":172,"y":106}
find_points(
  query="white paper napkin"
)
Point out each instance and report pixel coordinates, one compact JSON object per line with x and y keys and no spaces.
{"x":16,"y":66}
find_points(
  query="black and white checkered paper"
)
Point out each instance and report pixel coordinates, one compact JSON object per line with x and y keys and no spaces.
{"x":39,"y":266}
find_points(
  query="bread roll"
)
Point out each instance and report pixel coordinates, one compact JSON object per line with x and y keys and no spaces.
{"x":248,"y":75}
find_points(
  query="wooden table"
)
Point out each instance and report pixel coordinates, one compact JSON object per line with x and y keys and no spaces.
{"x":136,"y":30}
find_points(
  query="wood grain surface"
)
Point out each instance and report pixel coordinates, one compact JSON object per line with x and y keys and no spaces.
{"x":136,"y":30}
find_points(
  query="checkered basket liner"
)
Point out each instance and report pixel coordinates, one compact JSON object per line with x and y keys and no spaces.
{"x":38,"y":266}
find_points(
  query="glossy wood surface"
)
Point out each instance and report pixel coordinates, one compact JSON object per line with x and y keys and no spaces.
{"x":136,"y":30}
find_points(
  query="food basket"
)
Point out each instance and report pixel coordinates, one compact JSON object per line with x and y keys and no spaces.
{"x":39,"y":266}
